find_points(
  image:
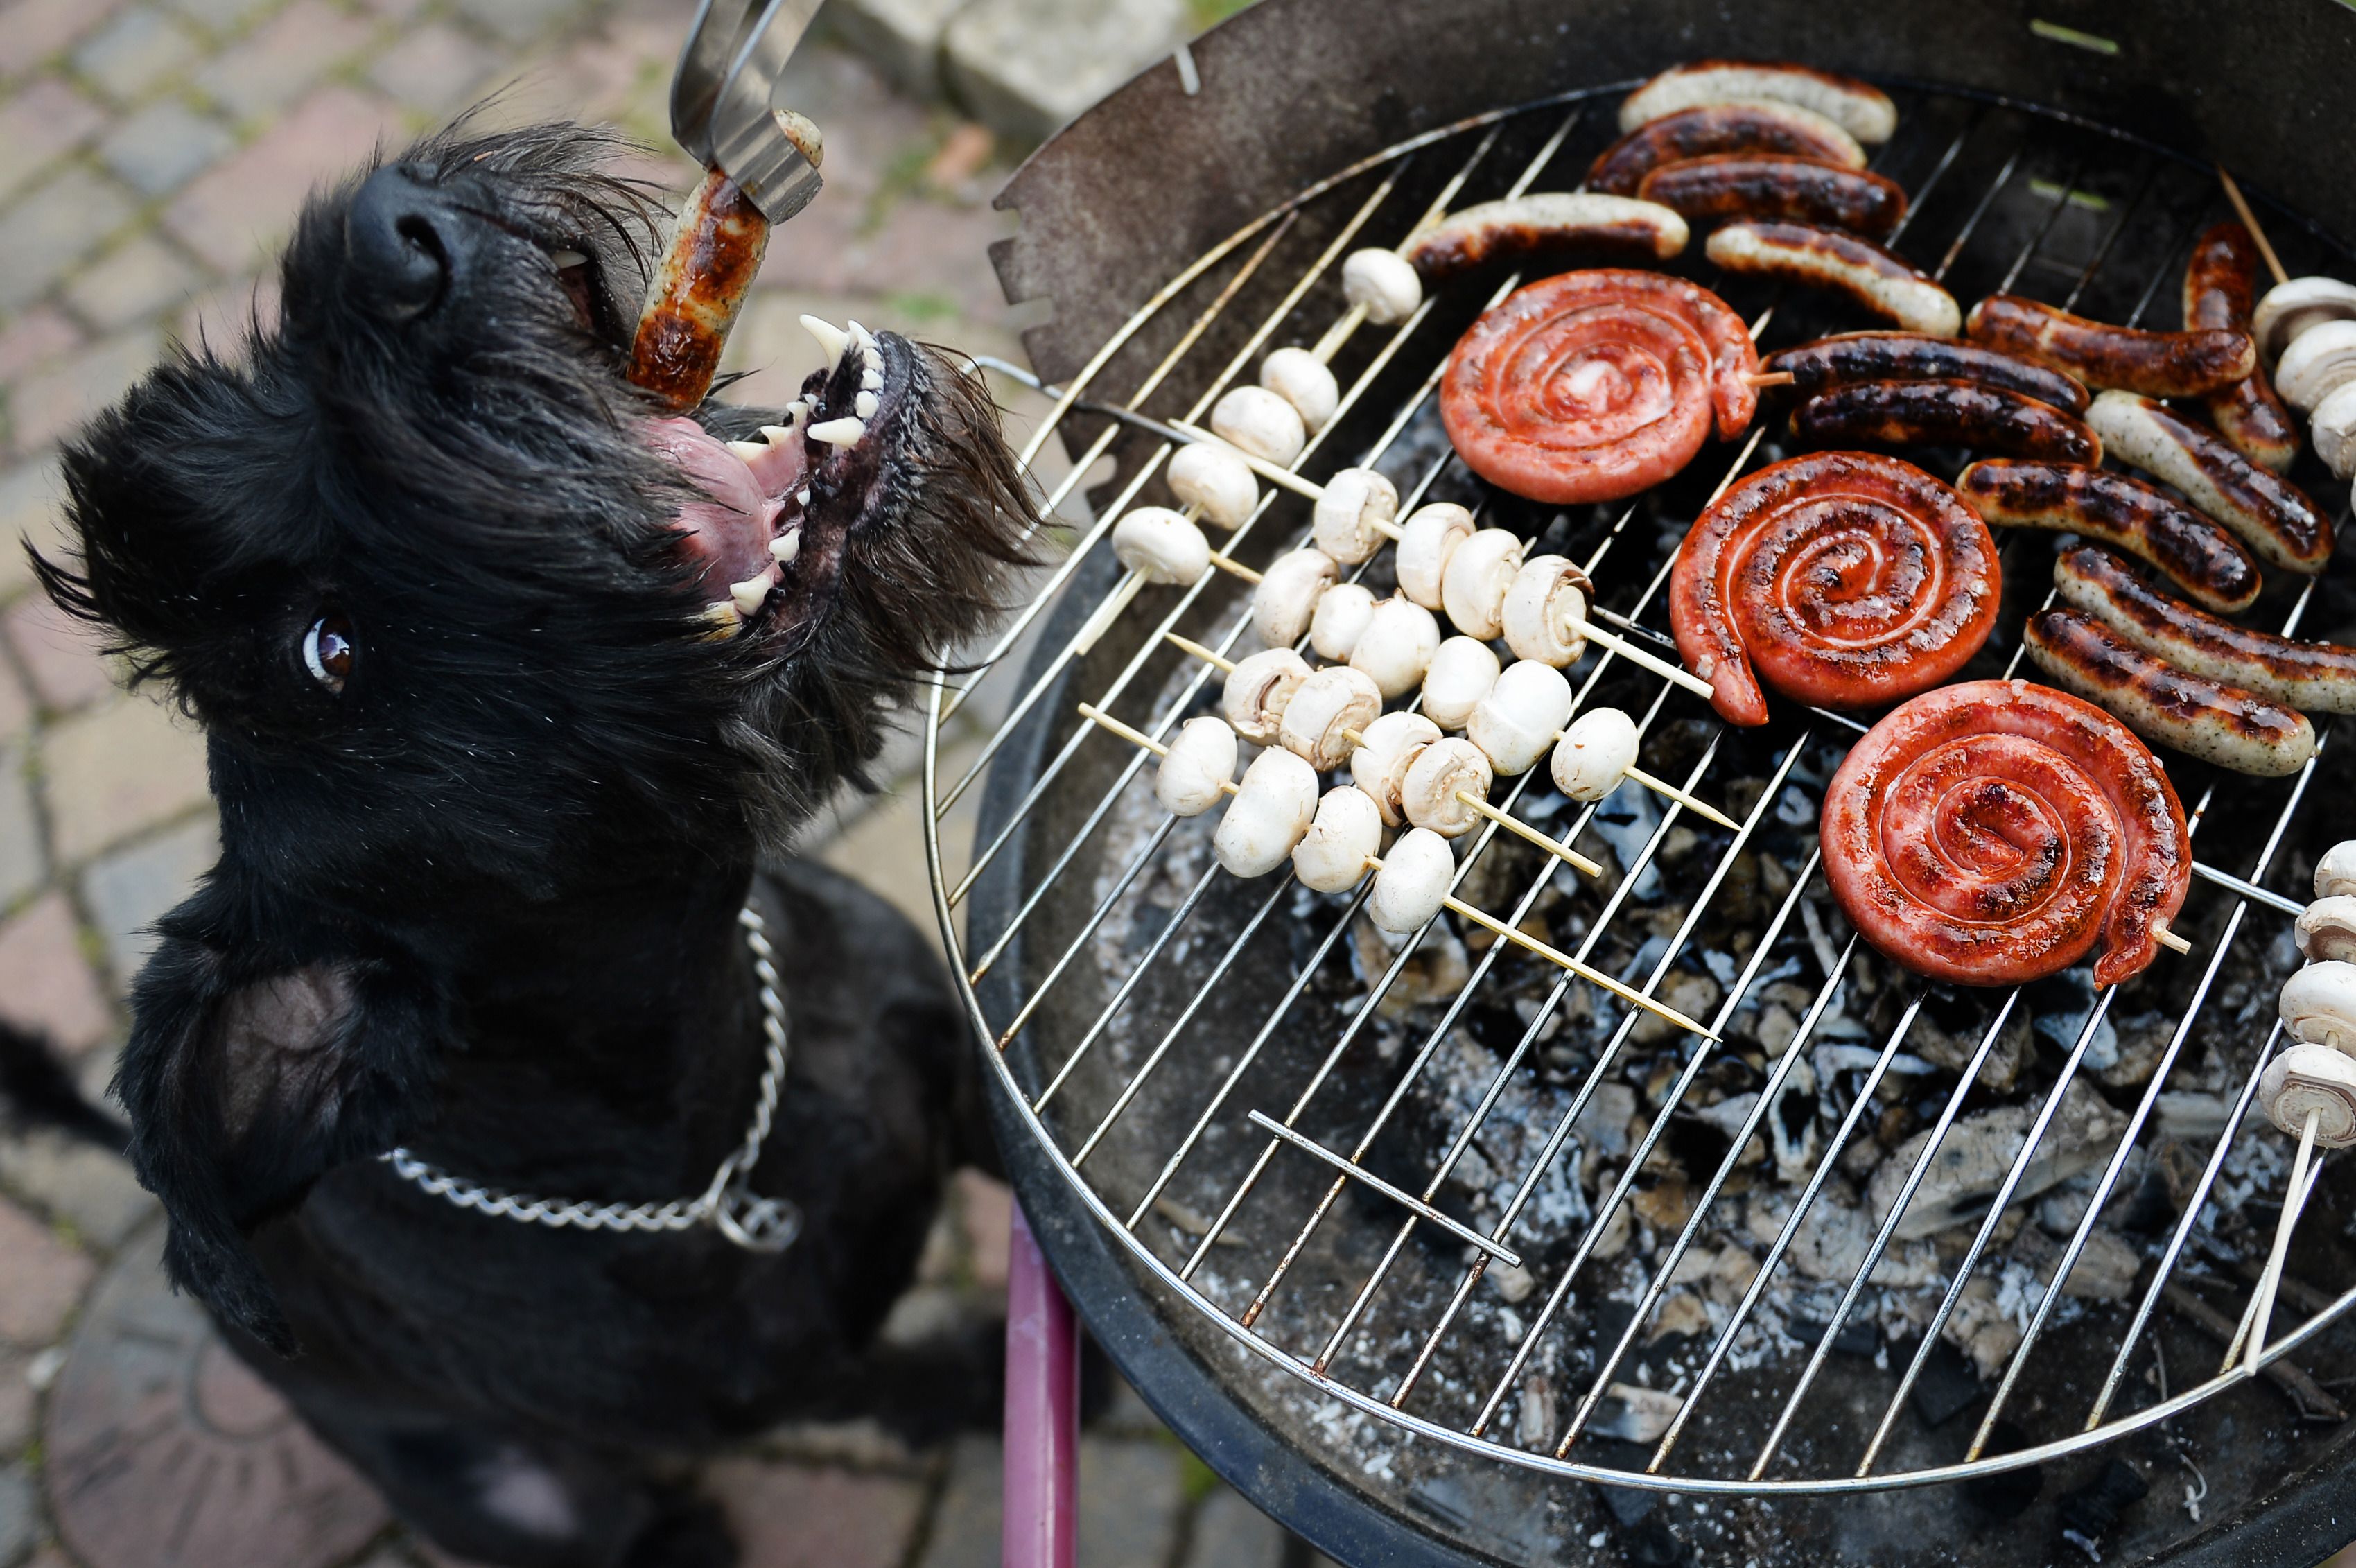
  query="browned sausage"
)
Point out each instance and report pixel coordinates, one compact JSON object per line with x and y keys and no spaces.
{"x":2220,"y":284}
{"x":1943,"y":413}
{"x":699,"y":286}
{"x":1754,"y":185}
{"x":1547,"y":223}
{"x":1759,"y":125}
{"x":2208,"y":719}
{"x":1914,"y":357}
{"x":1871,"y":277}
{"x":2314,"y":677}
{"x":2274,"y":517}
{"x":2197,"y":554}
{"x":2156,"y":364}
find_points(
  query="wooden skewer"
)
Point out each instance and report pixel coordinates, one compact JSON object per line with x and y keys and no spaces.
{"x":1676,"y":674}
{"x":1522,"y":829}
{"x":2168,"y":939}
{"x":1212,"y":656}
{"x":2294,"y":1200}
{"x":1690,"y":802}
{"x":1767,"y":378}
{"x":2250,"y":221}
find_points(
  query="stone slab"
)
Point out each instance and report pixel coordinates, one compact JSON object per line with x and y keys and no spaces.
{"x":43,"y":1281}
{"x":140,"y":49}
{"x":162,"y":1450}
{"x":86,"y":1186}
{"x":1026,"y":67}
{"x":128,"y":891}
{"x":45,"y":982}
{"x":797,"y":1516}
{"x":164,"y":147}
{"x":1229,"y":1533}
{"x":23,"y":863}
{"x":51,"y":228}
{"x":901,"y":37}
{"x":1130,"y":1494}
{"x":236,"y":213}
{"x":44,"y":122}
{"x":965,"y":1520}
{"x":116,"y":771}
{"x":132,"y":283}
{"x":59,"y":653}
{"x":55,"y":399}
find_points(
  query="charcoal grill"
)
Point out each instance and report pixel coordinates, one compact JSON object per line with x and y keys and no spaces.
{"x":1287,"y":1174}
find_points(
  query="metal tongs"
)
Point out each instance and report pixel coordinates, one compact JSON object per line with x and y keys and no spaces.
{"x":720,"y":108}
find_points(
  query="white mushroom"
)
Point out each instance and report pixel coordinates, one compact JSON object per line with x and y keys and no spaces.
{"x":2335,"y":874}
{"x":2305,"y":1078}
{"x":2319,"y":362}
{"x":1201,"y":759}
{"x":1341,"y":618}
{"x":1346,"y":833}
{"x":2327,"y":928}
{"x":1472,"y":588}
{"x":1443,"y":771}
{"x":1397,"y":645}
{"x":1383,"y":285}
{"x":1594,"y":754}
{"x":1212,"y":478}
{"x":1349,"y":518}
{"x":1258,"y":689}
{"x":1272,"y":808}
{"x":1262,"y":422}
{"x":1544,"y":608}
{"x":1462,"y":672}
{"x":1287,"y":593}
{"x":1325,"y":715}
{"x":1161,"y":545}
{"x":1427,"y":541}
{"x":1413,"y":886}
{"x":2333,"y":426}
{"x":2289,"y":308}
{"x":1521,"y":715}
{"x":2318,"y":1006}
{"x":1301,"y":379}
{"x":1386,"y":750}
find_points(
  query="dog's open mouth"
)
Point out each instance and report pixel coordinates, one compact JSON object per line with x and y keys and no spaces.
{"x":779,"y":507}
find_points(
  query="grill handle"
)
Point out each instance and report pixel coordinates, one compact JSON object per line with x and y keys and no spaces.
{"x":1043,"y":1410}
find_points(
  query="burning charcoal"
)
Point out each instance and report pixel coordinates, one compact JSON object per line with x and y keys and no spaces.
{"x":1635,"y":1414}
{"x":1948,"y":1384}
{"x":1982,"y":1328}
{"x":1856,"y":1336}
{"x":2105,"y":1270}
{"x":1534,"y":1424}
{"x":2008,"y":1493}
{"x":1514,"y":1284}
{"x":1680,"y":1313}
{"x":2087,"y":1514}
{"x":1831,"y":1243}
{"x":1692,"y":994}
{"x":2063,"y":1002}
{"x":1722,"y":1275}
{"x":1665,"y":1206}
{"x":1603,"y":1128}
{"x":1979,"y":1149}
{"x":2142,"y":1038}
{"x":1948,"y":1031}
{"x":2192,"y":1118}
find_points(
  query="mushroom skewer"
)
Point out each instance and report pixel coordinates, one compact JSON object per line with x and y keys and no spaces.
{"x":1436,"y":789}
{"x":2250,"y":221}
{"x":1513,"y":730}
{"x":1411,"y":883}
{"x":1354,"y":513}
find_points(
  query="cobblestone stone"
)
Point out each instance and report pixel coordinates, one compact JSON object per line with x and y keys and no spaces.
{"x":39,"y":124}
{"x":16,"y":1400}
{"x":52,"y":401}
{"x":1229,"y":1533}
{"x":271,"y":67}
{"x":43,"y":1280}
{"x":1130,"y":1495}
{"x":128,"y":891}
{"x":130,"y":283}
{"x":34,"y":339}
{"x":20,"y":1523}
{"x":236,"y":213}
{"x":518,"y":21}
{"x":967,"y":1517}
{"x":15,"y":704}
{"x":22,"y":862}
{"x":88,"y":1188}
{"x":32,"y":31}
{"x":44,"y":983}
{"x":1026,"y":67}
{"x":221,"y":16}
{"x":61,"y":654}
{"x":117,"y":771}
{"x":434,"y":71}
{"x":786,"y":1516}
{"x":28,"y":513}
{"x":164,"y":147}
{"x":138,"y":50}
{"x":52,"y":227}
{"x":984,"y":1207}
{"x":901,"y":36}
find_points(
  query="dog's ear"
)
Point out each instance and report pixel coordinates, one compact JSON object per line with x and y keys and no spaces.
{"x":264,"y":1053}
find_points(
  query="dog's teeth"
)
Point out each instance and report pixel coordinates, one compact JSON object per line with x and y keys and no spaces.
{"x":870,"y":375}
{"x":785,"y":547}
{"x":778,"y":435}
{"x":748,"y":450}
{"x":832,"y":340}
{"x":839,"y":432}
{"x":747,"y":595}
{"x":864,"y":337}
{"x":801,"y":496}
{"x":865,"y":404}
{"x":560,"y":260}
{"x":724,"y":620}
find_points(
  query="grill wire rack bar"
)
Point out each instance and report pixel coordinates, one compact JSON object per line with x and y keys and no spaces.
{"x":1378,"y":202}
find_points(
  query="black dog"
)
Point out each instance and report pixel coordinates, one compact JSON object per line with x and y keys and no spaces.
{"x":495,"y":770}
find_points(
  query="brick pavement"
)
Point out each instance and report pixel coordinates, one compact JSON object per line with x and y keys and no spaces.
{"x":152,"y":153}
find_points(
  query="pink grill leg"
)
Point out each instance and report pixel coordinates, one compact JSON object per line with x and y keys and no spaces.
{"x":1043,"y":1410}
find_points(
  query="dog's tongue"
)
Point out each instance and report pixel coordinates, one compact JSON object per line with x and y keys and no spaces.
{"x":729,"y":536}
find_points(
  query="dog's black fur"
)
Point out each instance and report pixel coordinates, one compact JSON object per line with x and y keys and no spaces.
{"x":482,"y":900}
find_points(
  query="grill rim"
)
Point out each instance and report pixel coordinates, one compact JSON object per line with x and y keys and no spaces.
{"x":998,"y":892}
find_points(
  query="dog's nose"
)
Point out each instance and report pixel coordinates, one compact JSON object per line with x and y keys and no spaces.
{"x":397,"y":236}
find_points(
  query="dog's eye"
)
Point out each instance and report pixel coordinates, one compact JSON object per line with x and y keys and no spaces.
{"x":327,"y":650}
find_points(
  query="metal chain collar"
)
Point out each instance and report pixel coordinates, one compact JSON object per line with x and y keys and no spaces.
{"x":756,"y":1223}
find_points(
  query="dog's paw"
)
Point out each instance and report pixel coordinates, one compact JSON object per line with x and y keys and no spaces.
{"x":686,"y":1531}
